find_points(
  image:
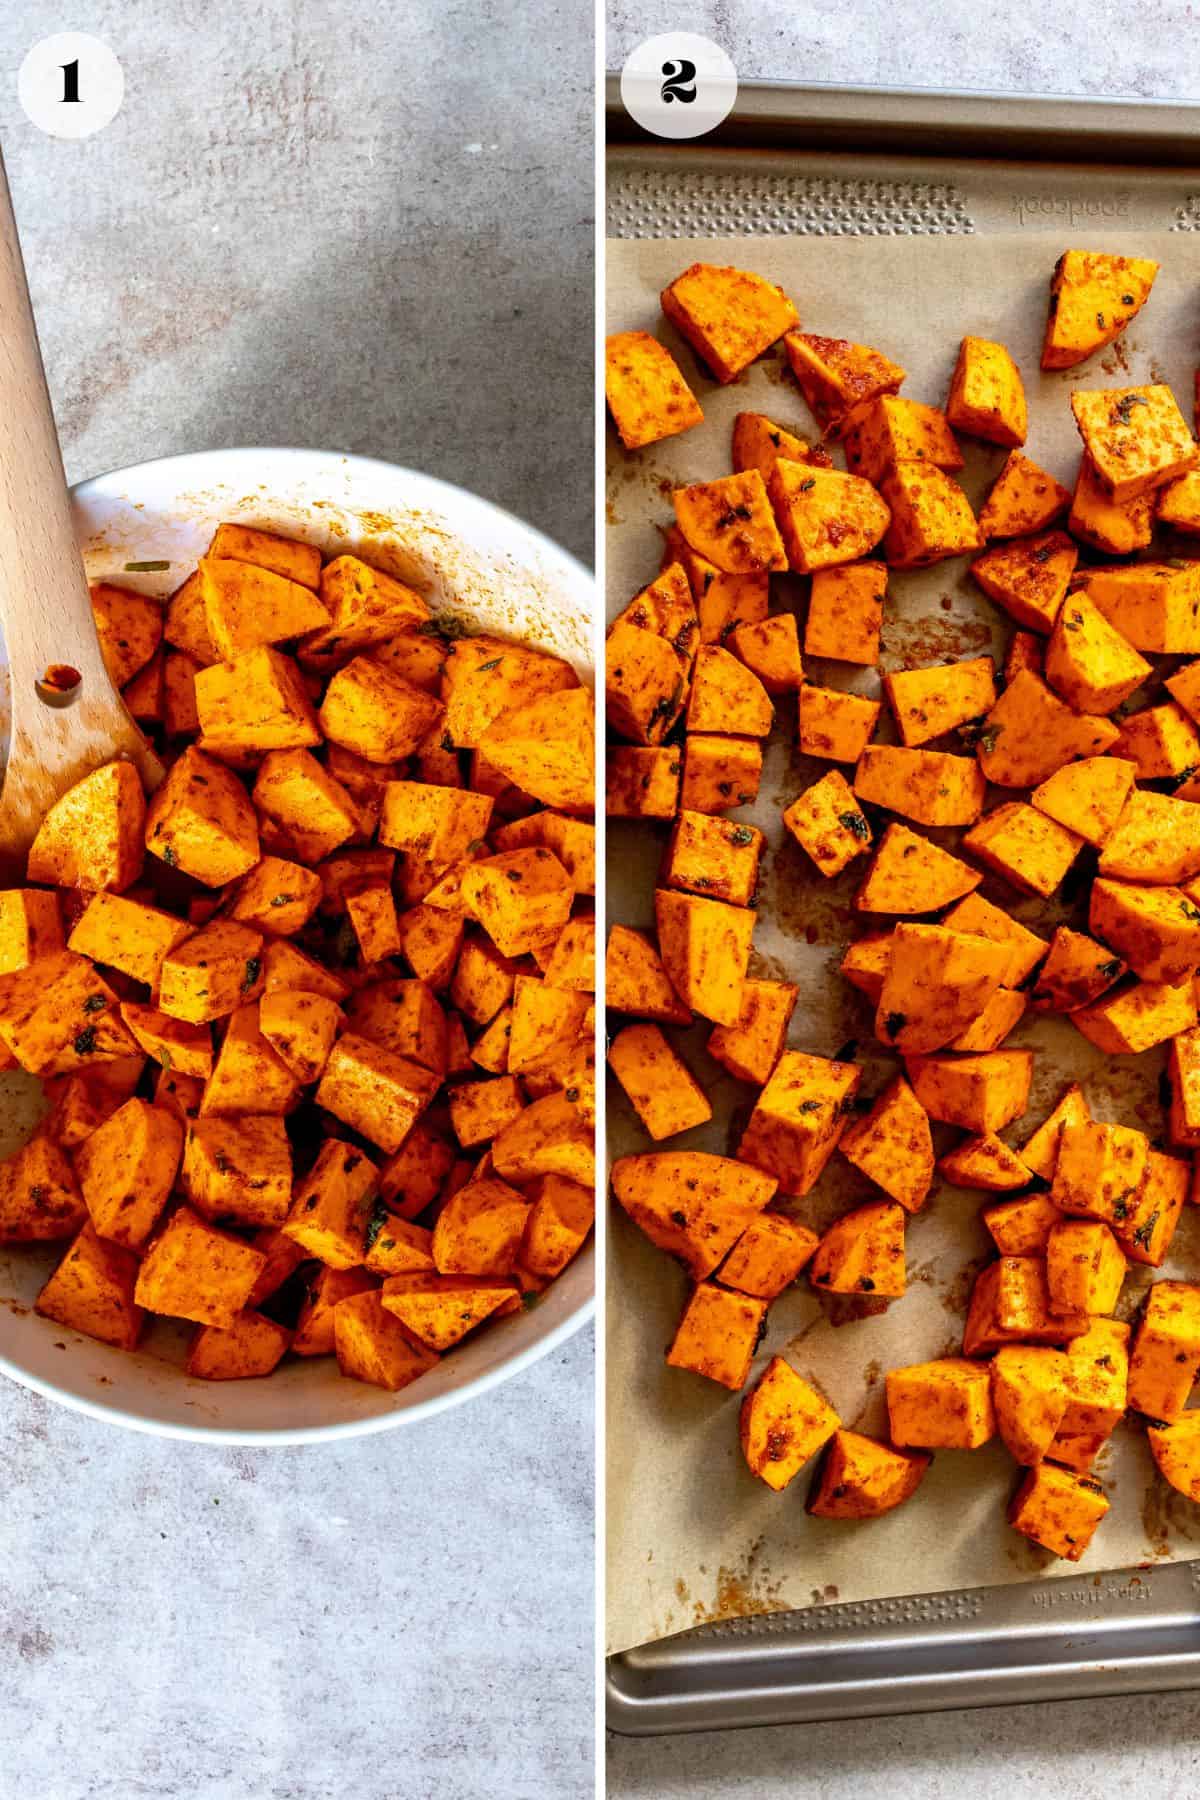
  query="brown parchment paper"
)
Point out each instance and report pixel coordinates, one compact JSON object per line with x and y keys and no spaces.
{"x":691,"y":1536}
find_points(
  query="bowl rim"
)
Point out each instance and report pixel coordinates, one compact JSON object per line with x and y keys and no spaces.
{"x":263,"y":1437}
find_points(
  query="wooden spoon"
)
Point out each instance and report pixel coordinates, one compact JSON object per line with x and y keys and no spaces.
{"x":62,"y":727}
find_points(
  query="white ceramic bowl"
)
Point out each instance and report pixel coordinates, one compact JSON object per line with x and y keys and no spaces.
{"x":486,"y":568}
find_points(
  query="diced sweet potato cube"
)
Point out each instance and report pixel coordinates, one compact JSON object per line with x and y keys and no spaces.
{"x":480,"y":1229}
{"x":838,"y":378}
{"x":647,"y":396}
{"x":410,"y":1180}
{"x":723,"y":601}
{"x":768,"y":1256}
{"x":479,"y":1110}
{"x":327,"y":1288}
{"x":572,"y":963}
{"x":1154,"y":605}
{"x":372,"y":913}
{"x":374,"y":1091}
{"x":486,"y":676}
{"x":212,"y":972}
{"x":1023,"y":499}
{"x":191,"y":1270}
{"x":1025,"y":847}
{"x":751,"y":1046}
{"x":182,"y":1094}
{"x":395,"y":1246}
{"x":30,"y":926}
{"x":825,"y":517}
{"x":863,"y":1479}
{"x":730,"y":522}
{"x":483,"y":980}
{"x":1156,"y":839}
{"x":1155,"y":929}
{"x":300,"y":1028}
{"x":438,"y":823}
{"x":185,"y":624}
{"x":1183,"y":1084}
{"x":836,"y":725}
{"x":644,"y":684}
{"x":1075,"y":973}
{"x":926,"y":785}
{"x":758,"y":443}
{"x":129,"y":626}
{"x":692,"y":1205}
{"x":555,"y":1135}
{"x":845,"y":612}
{"x":283,"y":555}
{"x":1093,"y":296}
{"x":256,"y":702}
{"x":929,"y":702}
{"x":1097,"y":1376}
{"x":770,"y":650}
{"x":798,"y":1118}
{"x":727,"y":696}
{"x":376,"y":713}
{"x":1087,"y":796}
{"x":979,"y":1093}
{"x":249,"y":1077}
{"x":373,"y":1346}
{"x":1088,"y":662}
{"x":984,"y":1162}
{"x":931,"y":517}
{"x":276,"y":896}
{"x":1085,"y":1267}
{"x":1058,"y":1510}
{"x":1138,"y":1015}
{"x":82,"y":1101}
{"x":1029,"y":579}
{"x":718,"y":1334}
{"x":1178,"y":504}
{"x":713,"y":857}
{"x":1030,"y":733}
{"x":366,"y":608}
{"x":546,"y":749}
{"x":644,"y":783}
{"x":890,"y":429}
{"x":201,"y":821}
{"x":519,"y":898}
{"x":1010,"y":1303}
{"x":1029,"y":1395}
{"x":39,"y":1195}
{"x":987,"y":396}
{"x":431,"y":942}
{"x":943,"y":1405}
{"x":937,"y":982}
{"x":560,"y":1217}
{"x":246,"y":605}
{"x":295,"y":792}
{"x":1163,"y":744}
{"x":91,"y":1291}
{"x":783,"y":1423}
{"x":439,"y":1310}
{"x":988,"y":1030}
{"x":1145,"y":1234}
{"x":284,"y":966}
{"x":1114,"y":526}
{"x":891,"y":1144}
{"x":252,"y":1346}
{"x":1175,"y":1447}
{"x":1024,"y":652}
{"x":1136,"y":437}
{"x":91,"y":838}
{"x":1098,"y":1170}
{"x":908,"y":874}
{"x":127,"y":935}
{"x":239,"y":1168}
{"x":982,"y":919}
{"x":718,"y":773}
{"x":705,"y":947}
{"x":127,"y":1168}
{"x":636,"y":982}
{"x":827,"y":822}
{"x":332,"y":1207}
{"x":728,"y":316}
{"x":862,"y":1253}
{"x":661,"y":1088}
{"x":1021,"y":1227}
{"x":58,"y":1015}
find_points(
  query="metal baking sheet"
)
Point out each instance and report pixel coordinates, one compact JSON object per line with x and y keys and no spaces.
{"x":864,"y":162}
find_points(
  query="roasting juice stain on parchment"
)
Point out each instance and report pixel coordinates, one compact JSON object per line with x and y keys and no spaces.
{"x":681,"y":1487}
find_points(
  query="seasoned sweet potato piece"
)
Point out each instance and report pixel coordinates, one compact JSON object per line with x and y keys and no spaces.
{"x":1088,"y":662}
{"x":982,"y":919}
{"x":1029,"y":578}
{"x":636,"y":981}
{"x":327,"y":1288}
{"x":145,"y":695}
{"x":692,"y":1205}
{"x":1088,"y":796}
{"x":1175,"y":1447}
{"x":1093,"y":296}
{"x":751,"y":1046}
{"x":374,"y":1091}
{"x":1022,"y":500}
{"x":714,"y":857}
{"x":863,"y":1479}
{"x":572,"y":962}
{"x":1178,"y":504}
{"x":723,"y":601}
{"x":862,"y":1253}
{"x":92,"y":837}
{"x":1115,"y":526}
{"x":1075,"y":973}
{"x":58,"y":1015}
{"x":929,"y":702}
{"x":661,"y":1088}
{"x":366,"y":609}
{"x":439,"y":1310}
{"x":331,"y":1208}
{"x":201,"y":821}
{"x":1024,"y":846}
{"x":979,"y":1093}
{"x":1137,"y":1015}
{"x":890,"y":429}
{"x":479,"y":1110}
{"x":1156,"y":839}
{"x":838,"y":378}
{"x":937,"y":982}
{"x":984,"y":1162}
{"x":239,"y":1168}
{"x":1021,"y":1227}
{"x":191,"y":1270}
{"x":798,"y":1118}
{"x":82,"y":1101}
{"x":758,"y":443}
{"x":705,"y":947}
{"x":730,"y":522}
{"x":647,"y":396}
{"x":295,"y":792}
{"x":180,"y":716}
{"x":1029,"y":1395}
{"x":276,"y":896}
{"x":1163,"y":744}
{"x":403,"y":1016}
{"x":827,"y":821}
{"x":845,"y":612}
{"x":1030,"y":733}
{"x":645,"y":684}
{"x":1058,"y":1510}
{"x":1155,"y":929}
{"x":30,"y":926}
{"x":479,"y":1230}
{"x":926,"y":785}
{"x":127,"y":1168}
{"x":931,"y":517}
{"x":282,"y":555}
{"x":546,"y":748}
{"x":484,"y":677}
{"x":892,"y":1145}
{"x":1097,"y":1377}
{"x":374,"y":1346}
{"x":185,"y":623}
{"x":252,"y":1346}
{"x":771,"y":651}
{"x":519,"y":898}
{"x":718,"y":773}
{"x":249,"y":1077}
{"x":908,"y":875}
{"x":560,"y":1217}
{"x":1010,"y":1303}
{"x":1098,"y":1170}
{"x":212,"y":972}
{"x":39,"y":1195}
{"x":284,"y":966}
{"x":246,"y":605}
{"x":1136,"y":437}
{"x":129,"y":626}
{"x":645,"y":783}
{"x":1085,"y":1267}
{"x":768,"y":1256}
{"x":438,"y":823}
{"x":1154,"y":605}
{"x":943,"y":1405}
{"x":91,"y":1291}
{"x":728,"y":316}
{"x":1183,"y":1081}
{"x":1025,"y":650}
{"x":376,"y":713}
{"x":717,"y":1335}
{"x":987,"y":396}
{"x":783,"y":1423}
{"x":836,"y":725}
{"x":553,"y":1136}
{"x":1145,"y":1234}
{"x":825,"y":518}
{"x":483,"y":980}
{"x":256,"y":702}
{"x":127,"y":935}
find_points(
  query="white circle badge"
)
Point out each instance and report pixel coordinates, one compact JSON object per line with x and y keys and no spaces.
{"x":678,"y":85}
{"x":71,"y":85}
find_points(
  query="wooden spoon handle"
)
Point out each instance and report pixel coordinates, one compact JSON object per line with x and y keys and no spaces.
{"x":44,"y":605}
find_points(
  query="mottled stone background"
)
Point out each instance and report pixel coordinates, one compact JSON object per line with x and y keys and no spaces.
{"x":1143,"y":1746}
{"x":359,"y":226}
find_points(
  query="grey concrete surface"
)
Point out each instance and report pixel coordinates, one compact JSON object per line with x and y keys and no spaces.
{"x":334,"y":223}
{"x":1142,"y":1746}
